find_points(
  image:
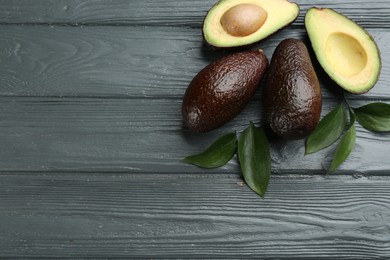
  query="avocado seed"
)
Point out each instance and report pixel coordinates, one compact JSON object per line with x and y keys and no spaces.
{"x":243,"y":19}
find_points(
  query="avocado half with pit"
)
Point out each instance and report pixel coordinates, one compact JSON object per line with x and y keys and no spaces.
{"x":347,"y":53}
{"x":233,"y":23}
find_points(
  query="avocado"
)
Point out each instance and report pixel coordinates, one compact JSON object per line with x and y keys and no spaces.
{"x":347,"y":53}
{"x":232,"y":23}
{"x":222,"y":89}
{"x":292,"y":95}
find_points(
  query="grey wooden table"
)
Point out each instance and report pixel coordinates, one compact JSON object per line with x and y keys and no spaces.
{"x":92,"y":140}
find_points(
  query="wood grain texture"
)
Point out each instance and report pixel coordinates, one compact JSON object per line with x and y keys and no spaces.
{"x":133,"y":62}
{"x":192,"y":216}
{"x":373,"y":14}
{"x":92,"y":140}
{"x":138,"y":135}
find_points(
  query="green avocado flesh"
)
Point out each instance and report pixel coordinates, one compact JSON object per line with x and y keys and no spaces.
{"x":347,"y":53}
{"x":292,"y":95}
{"x":274,"y":15}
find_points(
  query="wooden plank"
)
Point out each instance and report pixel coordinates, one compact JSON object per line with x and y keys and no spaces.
{"x":373,"y":14}
{"x":92,"y":141}
{"x":145,"y":62}
{"x":192,"y":216}
{"x":146,"y":135}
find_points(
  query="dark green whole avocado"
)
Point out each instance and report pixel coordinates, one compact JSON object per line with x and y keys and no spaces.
{"x":292,"y":95}
{"x":222,"y":89}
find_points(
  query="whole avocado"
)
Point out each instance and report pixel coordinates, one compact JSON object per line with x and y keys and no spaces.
{"x":292,"y":94}
{"x":222,"y":89}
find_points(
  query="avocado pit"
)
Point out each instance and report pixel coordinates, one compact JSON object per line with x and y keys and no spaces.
{"x":345,"y":54}
{"x":243,"y":19}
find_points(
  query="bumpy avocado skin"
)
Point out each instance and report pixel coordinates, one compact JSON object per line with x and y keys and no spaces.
{"x":222,"y":89}
{"x":292,"y":95}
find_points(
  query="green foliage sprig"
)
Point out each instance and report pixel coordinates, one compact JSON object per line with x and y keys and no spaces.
{"x":374,"y":117}
{"x":253,"y":149}
{"x":253,"y":154}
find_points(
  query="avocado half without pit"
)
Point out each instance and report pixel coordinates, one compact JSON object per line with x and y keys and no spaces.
{"x":347,"y":53}
{"x":233,"y":23}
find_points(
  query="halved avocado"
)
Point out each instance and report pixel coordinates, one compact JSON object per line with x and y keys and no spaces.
{"x":347,"y":53}
{"x":232,"y":23}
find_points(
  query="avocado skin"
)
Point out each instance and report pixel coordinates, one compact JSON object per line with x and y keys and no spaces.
{"x":222,"y":89}
{"x":292,"y":95}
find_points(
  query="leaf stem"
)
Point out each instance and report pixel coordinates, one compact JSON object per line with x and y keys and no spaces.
{"x":350,"y":109}
{"x":346,"y":101}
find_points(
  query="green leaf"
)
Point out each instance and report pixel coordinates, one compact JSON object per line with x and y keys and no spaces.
{"x":327,"y":131}
{"x":255,"y":158}
{"x":344,"y":148}
{"x":217,"y":154}
{"x":374,"y":117}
